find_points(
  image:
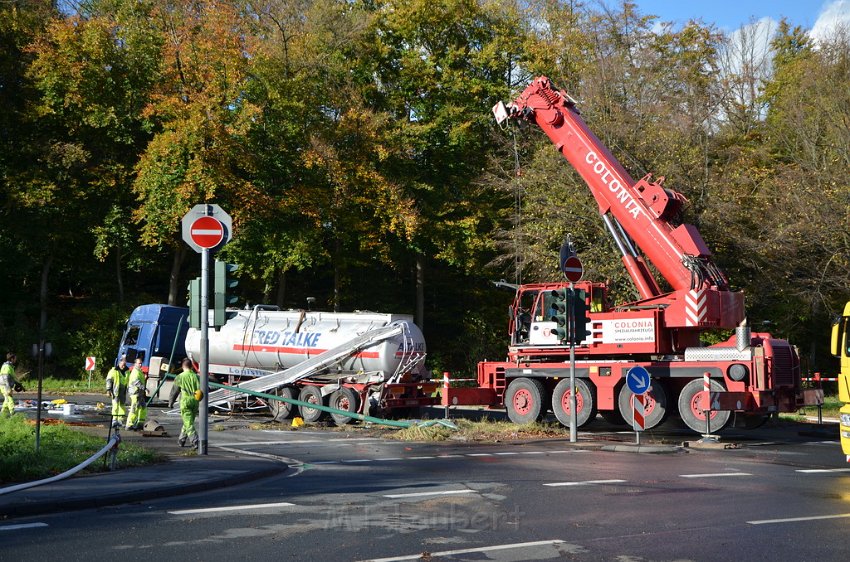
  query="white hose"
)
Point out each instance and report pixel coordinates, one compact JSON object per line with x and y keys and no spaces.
{"x":67,"y":473}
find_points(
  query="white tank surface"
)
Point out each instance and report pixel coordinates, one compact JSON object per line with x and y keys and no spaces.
{"x":258,"y":342}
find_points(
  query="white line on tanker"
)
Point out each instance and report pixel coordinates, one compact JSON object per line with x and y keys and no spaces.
{"x":586,"y":483}
{"x":715,"y":475}
{"x":798,"y":519}
{"x":418,"y":555}
{"x":231,"y":508}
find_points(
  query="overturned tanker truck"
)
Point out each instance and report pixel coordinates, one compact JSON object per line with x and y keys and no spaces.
{"x":360,"y":362}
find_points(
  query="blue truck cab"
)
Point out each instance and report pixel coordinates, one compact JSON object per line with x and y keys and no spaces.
{"x":157,"y":334}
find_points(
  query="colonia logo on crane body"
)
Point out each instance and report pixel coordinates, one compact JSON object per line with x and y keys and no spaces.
{"x":613,"y":184}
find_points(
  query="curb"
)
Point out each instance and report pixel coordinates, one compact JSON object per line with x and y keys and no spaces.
{"x":653,"y":449}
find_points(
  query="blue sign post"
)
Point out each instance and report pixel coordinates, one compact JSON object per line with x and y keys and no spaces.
{"x":639,"y":382}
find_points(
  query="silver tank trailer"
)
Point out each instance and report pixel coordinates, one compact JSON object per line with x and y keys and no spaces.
{"x":258,"y":342}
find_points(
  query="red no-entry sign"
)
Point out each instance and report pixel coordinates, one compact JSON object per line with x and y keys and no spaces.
{"x":573,"y":270}
{"x":207,"y":232}
{"x":206,"y":227}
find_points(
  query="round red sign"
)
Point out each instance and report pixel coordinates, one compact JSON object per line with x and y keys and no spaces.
{"x":207,"y":232}
{"x":573,"y":269}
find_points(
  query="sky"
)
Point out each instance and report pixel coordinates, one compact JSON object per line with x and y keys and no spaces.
{"x":818,"y":16}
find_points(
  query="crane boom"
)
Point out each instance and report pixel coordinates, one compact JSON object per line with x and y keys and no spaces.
{"x":645,"y":210}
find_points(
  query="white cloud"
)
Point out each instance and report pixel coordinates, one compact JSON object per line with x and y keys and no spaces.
{"x":833,"y":17}
{"x":749,"y":46}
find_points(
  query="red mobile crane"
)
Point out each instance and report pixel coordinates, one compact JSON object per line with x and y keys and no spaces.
{"x":660,"y":332}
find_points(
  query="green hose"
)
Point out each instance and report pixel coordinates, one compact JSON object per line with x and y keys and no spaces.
{"x":352,"y":415}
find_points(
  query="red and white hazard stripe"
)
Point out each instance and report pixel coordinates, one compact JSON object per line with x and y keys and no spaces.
{"x":696,"y":307}
{"x":639,"y":422}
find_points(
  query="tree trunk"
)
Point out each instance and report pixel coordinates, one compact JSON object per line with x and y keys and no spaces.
{"x":281,"y":289}
{"x":420,"y":291}
{"x":45,"y":275}
{"x":337,"y":256}
{"x":174,"y":279}
{"x":118,"y":274}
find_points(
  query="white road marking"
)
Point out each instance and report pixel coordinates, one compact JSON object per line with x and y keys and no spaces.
{"x":23,"y":526}
{"x":446,"y":456}
{"x":231,"y":508}
{"x":418,"y":556}
{"x":797,"y":519}
{"x":715,"y":475}
{"x":421,"y":494}
{"x":585,"y":483}
{"x":822,"y":470}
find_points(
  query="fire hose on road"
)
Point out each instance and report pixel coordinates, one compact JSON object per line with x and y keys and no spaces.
{"x":110,"y":445}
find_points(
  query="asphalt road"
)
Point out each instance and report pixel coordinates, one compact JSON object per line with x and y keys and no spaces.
{"x":351,"y":496}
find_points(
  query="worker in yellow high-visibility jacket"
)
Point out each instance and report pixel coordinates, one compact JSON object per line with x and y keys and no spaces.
{"x":8,"y":383}
{"x":136,"y":388}
{"x":116,"y":388}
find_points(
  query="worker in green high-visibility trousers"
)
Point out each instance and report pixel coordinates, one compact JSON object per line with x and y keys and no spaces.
{"x":188,"y":386}
{"x":9,"y":383}
{"x":136,"y":388}
{"x":116,"y":388}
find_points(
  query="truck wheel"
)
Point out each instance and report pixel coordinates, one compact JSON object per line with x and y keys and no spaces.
{"x":347,"y":400}
{"x":282,"y":410}
{"x":525,"y":400}
{"x":585,"y":403}
{"x":654,"y":408}
{"x":312,"y":395}
{"x":692,"y":402}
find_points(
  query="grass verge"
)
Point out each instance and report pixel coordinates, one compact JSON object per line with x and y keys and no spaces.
{"x":486,"y":430}
{"x":60,"y":448}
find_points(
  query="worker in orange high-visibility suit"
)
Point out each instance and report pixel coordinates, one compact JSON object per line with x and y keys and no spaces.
{"x":116,"y":388}
{"x":188,"y":386}
{"x":136,"y":388}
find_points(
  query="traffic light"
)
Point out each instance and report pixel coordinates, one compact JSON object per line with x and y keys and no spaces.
{"x":560,"y":313}
{"x":221,"y":292}
{"x":579,"y":331}
{"x":195,"y":303}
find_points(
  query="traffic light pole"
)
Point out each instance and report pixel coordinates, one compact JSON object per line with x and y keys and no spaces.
{"x":205,"y":228}
{"x":205,"y":352}
{"x":572,"y":335}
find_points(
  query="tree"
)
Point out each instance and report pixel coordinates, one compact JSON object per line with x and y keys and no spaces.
{"x":201,"y":120}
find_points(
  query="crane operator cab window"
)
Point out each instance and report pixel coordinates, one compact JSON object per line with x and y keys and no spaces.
{"x":542,"y":327}
{"x":522,"y":323}
{"x":597,"y":299}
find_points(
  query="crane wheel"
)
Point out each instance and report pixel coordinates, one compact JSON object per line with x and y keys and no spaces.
{"x":526,"y":400}
{"x":585,"y":402}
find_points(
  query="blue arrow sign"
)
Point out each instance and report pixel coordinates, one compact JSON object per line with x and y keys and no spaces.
{"x":638,"y":379}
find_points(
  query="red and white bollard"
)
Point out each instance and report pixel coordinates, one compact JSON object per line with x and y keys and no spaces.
{"x":706,"y":387}
{"x":446,"y":393}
